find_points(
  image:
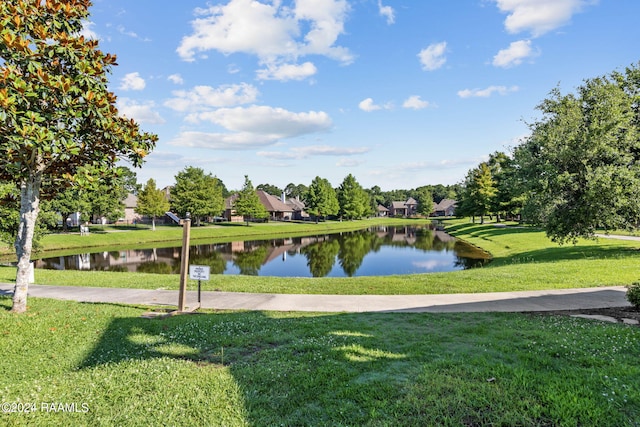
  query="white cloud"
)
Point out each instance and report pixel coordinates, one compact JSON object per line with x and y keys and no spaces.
{"x":287,"y":72}
{"x":387,"y":12}
{"x":132,"y":81}
{"x":487,"y":92}
{"x":272,"y":123}
{"x":276,"y":34}
{"x":539,"y":16}
{"x":349,"y":163}
{"x":368,"y":105}
{"x":203,"y":97}
{"x":514,"y":54}
{"x":221,"y":141}
{"x":415,"y":102}
{"x":141,"y":112}
{"x":313,"y":150}
{"x":176,"y":79}
{"x":432,"y":57}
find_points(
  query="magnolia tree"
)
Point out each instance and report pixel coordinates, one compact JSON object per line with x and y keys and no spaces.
{"x":58,"y":121}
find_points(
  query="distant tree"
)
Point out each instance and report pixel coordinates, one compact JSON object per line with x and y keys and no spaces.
{"x":441,"y":192}
{"x":152,"y":202}
{"x":70,"y":201}
{"x":353,"y":200}
{"x":423,"y":196}
{"x":508,"y":199}
{"x":248,"y":203}
{"x":485,"y":190}
{"x":395,"y":196}
{"x":129,"y":180}
{"x":295,"y":191}
{"x":270,"y":189}
{"x":320,"y":198}
{"x":198,"y":193}
{"x":477,"y":193}
{"x":105,"y":199}
{"x":57,"y":116}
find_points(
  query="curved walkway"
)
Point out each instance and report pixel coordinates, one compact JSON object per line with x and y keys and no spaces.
{"x":549,"y":300}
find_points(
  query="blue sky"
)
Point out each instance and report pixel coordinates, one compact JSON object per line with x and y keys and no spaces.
{"x":399,"y":93}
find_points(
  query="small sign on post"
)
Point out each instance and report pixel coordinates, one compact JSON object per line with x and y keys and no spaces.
{"x":199,"y":272}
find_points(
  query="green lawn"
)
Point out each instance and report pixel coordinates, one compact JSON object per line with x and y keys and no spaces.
{"x":263,"y":368}
{"x":110,"y":366}
{"x":523,"y":259}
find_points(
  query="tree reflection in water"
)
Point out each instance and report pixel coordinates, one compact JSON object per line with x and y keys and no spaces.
{"x":321,"y":257}
{"x":376,"y":251}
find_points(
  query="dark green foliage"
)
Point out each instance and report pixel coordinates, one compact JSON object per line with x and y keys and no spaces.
{"x":270,"y":189}
{"x":248,"y":203}
{"x":582,"y":160}
{"x":198,"y":193}
{"x":353,"y":200}
{"x":321,"y":199}
{"x":152,"y":202}
{"x":633,"y":294}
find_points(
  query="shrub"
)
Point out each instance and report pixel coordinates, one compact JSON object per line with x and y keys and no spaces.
{"x":633,"y":294}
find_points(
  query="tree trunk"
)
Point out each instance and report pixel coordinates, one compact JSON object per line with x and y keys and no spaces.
{"x":153,"y":223}
{"x":65,"y":217}
{"x":29,"y":210}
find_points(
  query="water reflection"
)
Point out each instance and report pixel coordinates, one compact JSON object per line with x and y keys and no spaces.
{"x":377,"y":251}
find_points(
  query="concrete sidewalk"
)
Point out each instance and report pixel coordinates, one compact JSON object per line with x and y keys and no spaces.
{"x":565,"y":299}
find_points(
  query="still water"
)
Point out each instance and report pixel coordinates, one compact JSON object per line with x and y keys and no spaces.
{"x":379,"y":251}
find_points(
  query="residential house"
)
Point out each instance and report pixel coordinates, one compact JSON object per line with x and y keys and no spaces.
{"x":130,"y":214}
{"x":446,"y":207}
{"x":297,"y":206}
{"x":277,"y":210}
{"x":382,"y":211}
{"x":229,"y":212}
{"x":408,"y":208}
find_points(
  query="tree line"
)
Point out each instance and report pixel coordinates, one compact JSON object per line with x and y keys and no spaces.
{"x":203,"y":195}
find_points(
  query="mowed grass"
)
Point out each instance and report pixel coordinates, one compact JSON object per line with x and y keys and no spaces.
{"x":523,"y":259}
{"x":265,"y":368}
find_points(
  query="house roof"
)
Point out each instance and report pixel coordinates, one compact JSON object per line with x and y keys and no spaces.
{"x":131,"y":201}
{"x":272,"y":203}
{"x":398,"y":205}
{"x":382,"y":209}
{"x":295,"y":204}
{"x":445,"y":204}
{"x":411,"y":201}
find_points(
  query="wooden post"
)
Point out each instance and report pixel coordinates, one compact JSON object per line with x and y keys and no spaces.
{"x":184,"y":264}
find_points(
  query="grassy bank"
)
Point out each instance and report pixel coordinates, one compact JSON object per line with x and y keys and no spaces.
{"x":235,"y":368}
{"x":524,"y":259}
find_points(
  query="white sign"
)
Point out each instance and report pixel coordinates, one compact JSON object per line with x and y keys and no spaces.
{"x":199,"y":272}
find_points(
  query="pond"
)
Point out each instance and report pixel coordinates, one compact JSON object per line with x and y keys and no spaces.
{"x":378,"y":251}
